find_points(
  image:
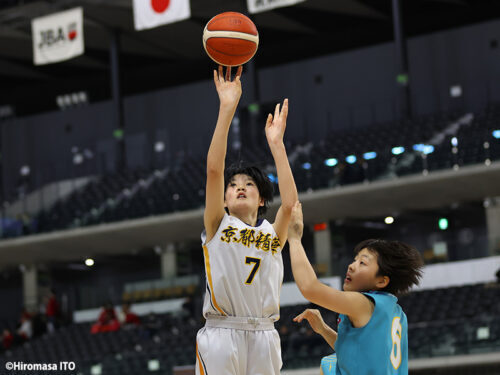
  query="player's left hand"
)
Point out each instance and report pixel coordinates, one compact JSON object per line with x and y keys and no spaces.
{"x":275,"y":126}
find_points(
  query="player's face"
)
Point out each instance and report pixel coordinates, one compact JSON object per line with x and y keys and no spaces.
{"x":362,"y":272}
{"x":242,"y":195}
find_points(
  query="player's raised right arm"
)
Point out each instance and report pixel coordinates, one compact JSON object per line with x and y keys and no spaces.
{"x":354,"y":304}
{"x":229,"y":95}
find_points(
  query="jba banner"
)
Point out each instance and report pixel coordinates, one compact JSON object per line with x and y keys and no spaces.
{"x":57,"y":37}
{"x":256,"y":6}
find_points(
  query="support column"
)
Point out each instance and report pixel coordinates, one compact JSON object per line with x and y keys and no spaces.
{"x":30,"y":287}
{"x":168,"y":262}
{"x":253,"y":130}
{"x":493,"y":225}
{"x":323,"y":249}
{"x":402,"y":77}
{"x":119,"y":125}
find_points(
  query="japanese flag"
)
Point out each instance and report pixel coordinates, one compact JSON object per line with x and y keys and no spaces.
{"x":153,"y":13}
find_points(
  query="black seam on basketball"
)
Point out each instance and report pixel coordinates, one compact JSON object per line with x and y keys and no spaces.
{"x":230,"y":37}
{"x":234,"y":31}
{"x":225,"y":54}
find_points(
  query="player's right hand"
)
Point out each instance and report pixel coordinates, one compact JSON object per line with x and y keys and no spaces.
{"x":314,"y":318}
{"x":229,"y":90}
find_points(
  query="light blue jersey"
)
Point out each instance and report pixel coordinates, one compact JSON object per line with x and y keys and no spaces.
{"x":378,"y":348}
{"x":329,"y":364}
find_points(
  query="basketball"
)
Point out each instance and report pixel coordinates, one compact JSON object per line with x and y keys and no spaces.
{"x":230,"y":39}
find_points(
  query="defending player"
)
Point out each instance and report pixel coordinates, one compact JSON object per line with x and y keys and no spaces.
{"x":372,"y":332}
{"x":243,"y":264}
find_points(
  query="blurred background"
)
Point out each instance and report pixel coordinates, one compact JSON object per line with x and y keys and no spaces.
{"x":393,"y":132}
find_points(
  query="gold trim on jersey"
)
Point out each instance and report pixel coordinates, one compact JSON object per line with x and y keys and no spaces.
{"x":200,"y":365}
{"x":209,"y":277}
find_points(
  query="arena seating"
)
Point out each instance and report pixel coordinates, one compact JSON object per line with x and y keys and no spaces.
{"x":447,"y":321}
{"x":180,"y":186}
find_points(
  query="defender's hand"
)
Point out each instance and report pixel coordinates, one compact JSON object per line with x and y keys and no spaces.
{"x":314,"y":318}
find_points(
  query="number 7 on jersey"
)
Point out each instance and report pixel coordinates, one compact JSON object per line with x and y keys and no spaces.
{"x":255,"y":268}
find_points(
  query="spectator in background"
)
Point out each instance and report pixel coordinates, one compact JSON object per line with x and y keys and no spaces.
{"x":25,"y":330}
{"x":7,"y":339}
{"x":128,"y":318}
{"x":188,"y":306}
{"x":285,"y":337}
{"x":52,"y":311}
{"x":107,"y":320}
{"x":495,"y":283}
{"x":151,"y":325}
{"x":25,"y":314}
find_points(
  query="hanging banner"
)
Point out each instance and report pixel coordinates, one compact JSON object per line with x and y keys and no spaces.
{"x":57,"y":37}
{"x":256,"y":6}
{"x":153,"y":13}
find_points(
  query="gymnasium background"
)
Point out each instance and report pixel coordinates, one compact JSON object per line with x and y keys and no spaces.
{"x":393,"y":132}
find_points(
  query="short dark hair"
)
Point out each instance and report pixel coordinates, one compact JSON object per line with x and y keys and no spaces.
{"x":264,"y":185}
{"x":402,"y":263}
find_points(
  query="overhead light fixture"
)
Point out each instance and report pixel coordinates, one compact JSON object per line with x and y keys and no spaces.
{"x":369,"y":155}
{"x":456,"y":91}
{"x":351,"y":159}
{"x":454,"y":141}
{"x":72,"y":99}
{"x":496,"y":134}
{"x":159,"y":146}
{"x":332,"y":162}
{"x":153,"y":365}
{"x":89,"y":262}
{"x":96,"y":369}
{"x":443,"y":223}
{"x":428,"y":149}
{"x":398,"y":150}
{"x":25,"y":170}
{"x":389,"y":220}
{"x":424,"y":149}
{"x":78,"y":159}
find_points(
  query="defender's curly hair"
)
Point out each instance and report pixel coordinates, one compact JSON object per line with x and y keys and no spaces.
{"x":402,"y":263}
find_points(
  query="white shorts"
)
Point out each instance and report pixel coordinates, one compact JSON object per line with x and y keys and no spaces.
{"x":233,"y":348}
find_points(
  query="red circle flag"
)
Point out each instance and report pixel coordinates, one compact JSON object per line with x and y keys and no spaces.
{"x":159,"y":6}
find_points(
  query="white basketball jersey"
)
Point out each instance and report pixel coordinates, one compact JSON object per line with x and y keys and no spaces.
{"x":244,"y":270}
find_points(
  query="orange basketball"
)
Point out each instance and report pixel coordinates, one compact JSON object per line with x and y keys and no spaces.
{"x":230,"y":39}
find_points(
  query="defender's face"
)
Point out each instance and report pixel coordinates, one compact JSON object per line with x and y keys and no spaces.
{"x":242,"y":194}
{"x":361,"y":273}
